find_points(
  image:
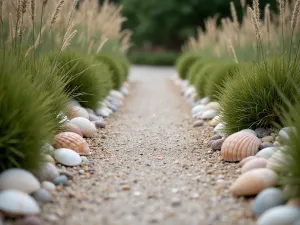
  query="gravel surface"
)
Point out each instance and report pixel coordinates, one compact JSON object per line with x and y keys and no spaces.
{"x":151,"y":167}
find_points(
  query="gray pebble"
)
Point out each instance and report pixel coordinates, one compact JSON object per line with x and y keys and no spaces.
{"x":198,"y":123}
{"x":176,"y":202}
{"x":42,"y":195}
{"x":49,"y":186}
{"x":30,"y":220}
{"x":265,"y":145}
{"x":93,"y":117}
{"x":262,"y":132}
{"x":280,"y":215}
{"x":62,"y":179}
{"x":217,"y":144}
{"x":68,"y":174}
{"x":81,"y":171}
{"x":215,"y":137}
{"x":99,"y":124}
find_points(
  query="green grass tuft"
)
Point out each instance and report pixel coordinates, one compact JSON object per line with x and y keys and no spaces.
{"x":194,"y":69}
{"x":202,"y":76}
{"x":251,"y":99}
{"x":184,"y":62}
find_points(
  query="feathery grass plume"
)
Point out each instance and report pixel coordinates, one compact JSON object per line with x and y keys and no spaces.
{"x":24,"y":6}
{"x":256,"y":10}
{"x":243,"y":3}
{"x":256,"y":25}
{"x":231,"y":49}
{"x":68,"y":40}
{"x":102,"y":43}
{"x":295,"y":15}
{"x":234,"y":15}
{"x":11,"y":28}
{"x":19,"y":10}
{"x":56,"y":12}
{"x":69,"y":31}
{"x":32,"y":12}
{"x":281,"y":10}
{"x":267,"y":18}
{"x":45,"y":2}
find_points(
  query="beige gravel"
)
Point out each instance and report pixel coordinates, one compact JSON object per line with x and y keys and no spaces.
{"x":151,"y":167}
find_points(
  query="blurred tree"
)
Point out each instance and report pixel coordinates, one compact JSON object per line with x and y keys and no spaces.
{"x":169,"y":22}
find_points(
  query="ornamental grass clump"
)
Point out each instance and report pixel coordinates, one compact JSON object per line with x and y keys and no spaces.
{"x":115,"y":68}
{"x":184,"y":62}
{"x":90,"y":81}
{"x":251,"y":99}
{"x":194,"y":69}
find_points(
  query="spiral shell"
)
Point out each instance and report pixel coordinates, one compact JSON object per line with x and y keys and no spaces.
{"x":239,"y":146}
{"x":278,"y":159}
{"x":70,"y":127}
{"x":72,"y":141}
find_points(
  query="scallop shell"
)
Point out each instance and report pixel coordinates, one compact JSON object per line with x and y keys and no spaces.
{"x":70,"y":127}
{"x":254,"y":164}
{"x":239,"y":146}
{"x":254,"y":181}
{"x":278,"y":159}
{"x":87,"y":128}
{"x":72,"y":141}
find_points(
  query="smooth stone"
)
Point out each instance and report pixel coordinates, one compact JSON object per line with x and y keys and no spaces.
{"x":245,"y":160}
{"x":267,"y":199}
{"x":219,"y":129}
{"x":265,"y":145}
{"x":295,"y":202}
{"x":99,"y":124}
{"x":124,"y":91}
{"x":49,"y":186}
{"x":284,"y":132}
{"x":42,"y":195}
{"x":68,"y":174}
{"x":198,"y":123}
{"x":204,"y":100}
{"x":67,"y":157}
{"x":215,"y":121}
{"x":250,"y":131}
{"x":81,"y":171}
{"x":198,"y":108}
{"x":116,"y":94}
{"x":267,"y":139}
{"x":93,"y":117}
{"x":102,"y":112}
{"x":84,"y":160}
{"x":276,"y":144}
{"x":78,"y":111}
{"x":30,"y":220}
{"x":215,"y":137}
{"x":19,"y":179}
{"x":73,"y":102}
{"x":261,"y":132}
{"x":48,"y":172}
{"x":113,"y":107}
{"x":209,"y":114}
{"x":217,"y":144}
{"x":259,"y":162}
{"x":213,"y":105}
{"x":90,"y":111}
{"x":15,"y":202}
{"x":266,"y":152}
{"x":86,"y":127}
{"x":49,"y":158}
{"x":280,"y":215}
{"x":61,"y":180}
{"x":47,"y":148}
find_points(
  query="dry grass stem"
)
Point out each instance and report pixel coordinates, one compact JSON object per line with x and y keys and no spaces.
{"x":68,"y":40}
{"x":231,"y":49}
{"x":56,"y":11}
{"x":256,"y":10}
{"x":281,"y":10}
{"x":11,"y":28}
{"x":101,"y":45}
{"x":256,"y":26}
{"x":267,"y":18}
{"x":243,"y":3}
{"x":24,"y":6}
{"x":295,"y":15}
{"x":234,"y":14}
{"x":32,"y":12}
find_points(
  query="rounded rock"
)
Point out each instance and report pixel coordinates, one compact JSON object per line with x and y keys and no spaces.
{"x":30,"y":220}
{"x":19,"y":179}
{"x":87,"y":128}
{"x":42,"y":195}
{"x":267,"y":199}
{"x":217,"y":144}
{"x":48,"y":172}
{"x":266,"y":152}
{"x":61,"y":180}
{"x":99,"y":124}
{"x":67,"y":157}
{"x":261,"y":132}
{"x":267,"y":139}
{"x":93,"y":117}
{"x":209,"y":114}
{"x":265,"y":145}
{"x":198,"y":123}
{"x":49,"y":186}
{"x":280,"y":215}
{"x":254,"y":164}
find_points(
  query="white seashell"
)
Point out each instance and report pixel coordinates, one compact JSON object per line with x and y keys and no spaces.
{"x":254,"y":181}
{"x":87,"y":128}
{"x":239,"y":145}
{"x":213,"y":105}
{"x":19,"y":179}
{"x":219,"y":129}
{"x":209,"y":114}
{"x":73,"y":102}
{"x":77,"y":111}
{"x":204,"y":100}
{"x":215,"y":121}
{"x":48,"y":171}
{"x":266,"y":152}
{"x":254,"y":164}
{"x":278,"y":160}
{"x":67,"y":157}
{"x":280,"y":215}
{"x":14,"y":202}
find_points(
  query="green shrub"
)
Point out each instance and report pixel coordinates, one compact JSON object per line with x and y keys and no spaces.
{"x":251,"y":99}
{"x":90,"y":81}
{"x":153,"y":58}
{"x":217,"y":78}
{"x":184,"y":62}
{"x":195,"y":69}
{"x":125,"y":65}
{"x":115,"y":68}
{"x":25,"y":119}
{"x":202,"y":76}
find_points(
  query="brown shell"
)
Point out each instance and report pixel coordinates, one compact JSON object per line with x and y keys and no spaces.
{"x":239,"y":146}
{"x":72,"y":141}
{"x":70,"y":127}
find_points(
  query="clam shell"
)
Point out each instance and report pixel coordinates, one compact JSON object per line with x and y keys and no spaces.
{"x":72,"y":141}
{"x":77,"y":111}
{"x":213,"y":105}
{"x":239,"y":146}
{"x":70,"y":127}
{"x":245,"y":160}
{"x":254,"y":181}
{"x":278,"y":159}
{"x":254,"y":164}
{"x":87,"y":128}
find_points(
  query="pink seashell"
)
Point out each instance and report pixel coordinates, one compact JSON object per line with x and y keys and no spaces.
{"x":70,"y":127}
{"x":245,"y":160}
{"x":254,"y":181}
{"x":254,"y":164}
{"x":239,"y":146}
{"x":72,"y":141}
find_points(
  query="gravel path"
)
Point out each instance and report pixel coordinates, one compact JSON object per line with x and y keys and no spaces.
{"x":151,"y":167}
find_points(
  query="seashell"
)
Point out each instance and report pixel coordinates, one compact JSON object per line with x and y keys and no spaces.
{"x":266,"y":152}
{"x":77,"y":111}
{"x":14,"y":202}
{"x":70,"y":127}
{"x":71,"y":141}
{"x":254,"y":164}
{"x":67,"y":157}
{"x":219,"y":129}
{"x":254,"y":181}
{"x":215,"y":121}
{"x":48,"y":172}
{"x":213,"y":105}
{"x":19,"y":179}
{"x":278,"y":160}
{"x":87,"y":128}
{"x":245,"y":160}
{"x":239,"y":146}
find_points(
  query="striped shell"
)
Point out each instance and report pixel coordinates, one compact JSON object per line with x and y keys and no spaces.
{"x":72,"y":141}
{"x":70,"y":127}
{"x":239,"y":146}
{"x":253,"y":182}
{"x":278,"y":160}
